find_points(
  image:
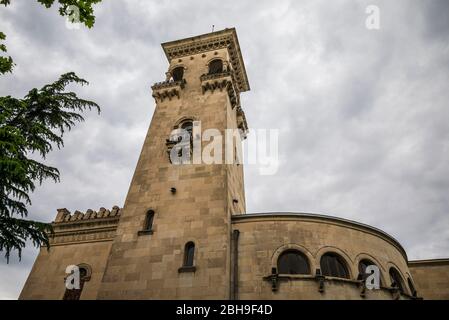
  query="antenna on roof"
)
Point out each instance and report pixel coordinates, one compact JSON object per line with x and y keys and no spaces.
{"x":213,"y":26}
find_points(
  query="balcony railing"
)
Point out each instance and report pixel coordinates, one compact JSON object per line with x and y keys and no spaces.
{"x":167,"y":89}
{"x":168,"y":84}
{"x":211,"y":76}
{"x":222,"y":80}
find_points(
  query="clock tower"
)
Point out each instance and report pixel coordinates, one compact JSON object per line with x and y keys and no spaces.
{"x":174,"y":237}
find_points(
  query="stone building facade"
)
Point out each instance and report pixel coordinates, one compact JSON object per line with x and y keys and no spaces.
{"x":183,"y":232}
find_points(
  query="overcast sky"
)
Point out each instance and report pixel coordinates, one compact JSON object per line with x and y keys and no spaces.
{"x":362,"y":114}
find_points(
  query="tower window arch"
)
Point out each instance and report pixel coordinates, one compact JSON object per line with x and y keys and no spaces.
{"x":216,"y":66}
{"x":180,"y":143}
{"x":396,"y":279}
{"x":84,"y":276}
{"x":293,"y":262}
{"x":189,"y":253}
{"x":149,"y":220}
{"x":188,"y":127}
{"x":333,"y":265}
{"x":148,"y":224}
{"x":177,"y":73}
{"x":185,"y":148}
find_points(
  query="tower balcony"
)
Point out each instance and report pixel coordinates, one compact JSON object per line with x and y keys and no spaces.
{"x":167,"y":89}
{"x":221,"y":81}
{"x":226,"y":81}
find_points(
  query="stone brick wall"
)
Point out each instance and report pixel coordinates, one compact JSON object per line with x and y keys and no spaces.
{"x":431,"y":278}
{"x":264,"y":237}
{"x":79,"y":238}
{"x":142,"y":267}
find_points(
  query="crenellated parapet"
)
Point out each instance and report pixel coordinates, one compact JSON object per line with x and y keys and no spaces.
{"x":64,"y":215}
{"x":83,"y":227}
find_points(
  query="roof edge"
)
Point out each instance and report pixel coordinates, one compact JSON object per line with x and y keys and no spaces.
{"x":218,"y":39}
{"x":315,"y":216}
{"x":429,"y":262}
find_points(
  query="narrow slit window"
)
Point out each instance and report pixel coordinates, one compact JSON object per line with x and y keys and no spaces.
{"x":149,"y":220}
{"x":189,"y":253}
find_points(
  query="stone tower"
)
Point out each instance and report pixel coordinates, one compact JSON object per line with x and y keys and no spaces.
{"x":173,"y":239}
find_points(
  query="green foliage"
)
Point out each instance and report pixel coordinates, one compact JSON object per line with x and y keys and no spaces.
{"x":34,"y":124}
{"x":14,"y":233}
{"x":6,"y":63}
{"x":86,"y":12}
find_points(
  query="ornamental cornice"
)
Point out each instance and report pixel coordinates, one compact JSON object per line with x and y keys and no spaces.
{"x":226,"y":38}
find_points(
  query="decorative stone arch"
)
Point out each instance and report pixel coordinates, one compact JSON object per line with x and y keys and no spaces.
{"x":408,"y":275}
{"x":214,"y":57}
{"x":292,"y":246}
{"x":225,"y":63}
{"x":75,"y":294}
{"x":184,"y":119}
{"x":391,"y":264}
{"x":347,"y":259}
{"x":169,"y":72}
{"x":218,"y":57}
{"x":409,"y":279}
{"x":383,"y":271}
{"x":88,"y":269}
{"x":177,"y":65}
{"x":173,"y":135}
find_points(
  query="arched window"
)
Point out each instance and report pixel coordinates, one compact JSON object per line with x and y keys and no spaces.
{"x":186,"y":147}
{"x":189,"y":252}
{"x":396,"y":279}
{"x":177,"y":73}
{"x":149,"y":220}
{"x":293,"y":262}
{"x":83,"y":273}
{"x":180,"y":143}
{"x":75,"y":294}
{"x":333,"y":265}
{"x":412,"y":287}
{"x":188,"y":127}
{"x":215,"y":66}
{"x":363,"y":264}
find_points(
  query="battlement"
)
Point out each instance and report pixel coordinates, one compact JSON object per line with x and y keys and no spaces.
{"x":65,"y":215}
{"x":80,"y":227}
